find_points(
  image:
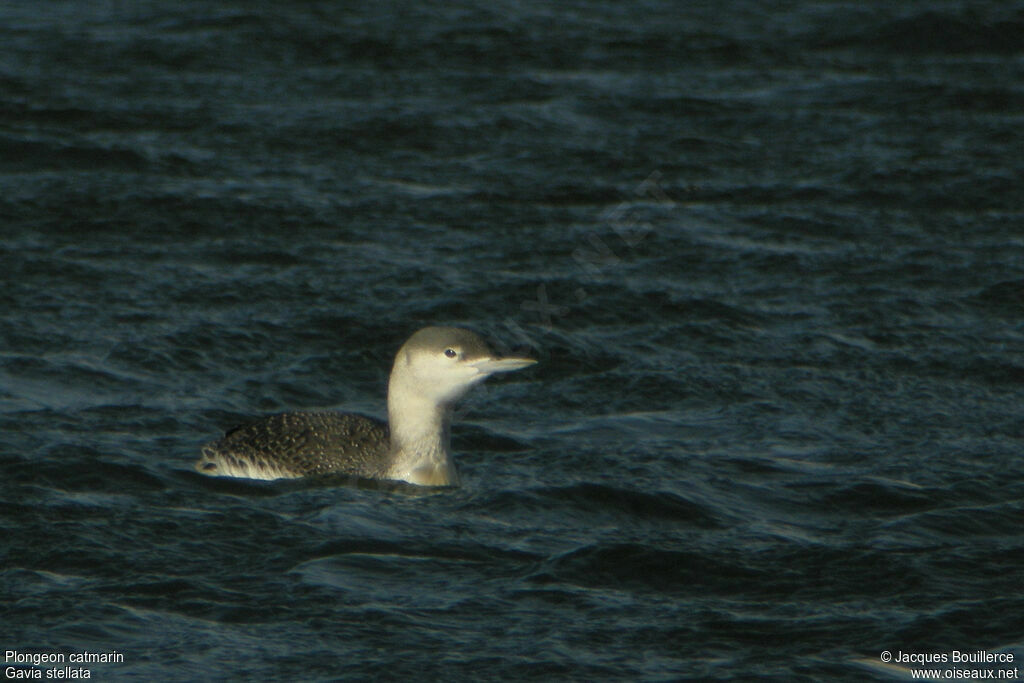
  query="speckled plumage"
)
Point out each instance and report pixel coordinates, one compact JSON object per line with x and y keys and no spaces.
{"x":289,"y":445}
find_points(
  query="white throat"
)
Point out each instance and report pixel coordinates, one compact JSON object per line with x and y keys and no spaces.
{"x":420,"y":434}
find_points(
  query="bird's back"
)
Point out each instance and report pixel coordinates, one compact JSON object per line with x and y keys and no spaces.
{"x":289,"y":445}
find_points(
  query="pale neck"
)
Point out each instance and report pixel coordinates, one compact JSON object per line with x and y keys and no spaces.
{"x":420,"y":438}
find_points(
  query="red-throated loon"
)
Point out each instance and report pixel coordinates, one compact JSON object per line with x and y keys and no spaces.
{"x":432,"y":371}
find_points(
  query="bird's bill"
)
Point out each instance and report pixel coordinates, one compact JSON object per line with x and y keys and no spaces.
{"x":489,"y":366}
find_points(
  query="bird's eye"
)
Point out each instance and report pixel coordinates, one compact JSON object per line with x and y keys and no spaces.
{"x":450,"y":353}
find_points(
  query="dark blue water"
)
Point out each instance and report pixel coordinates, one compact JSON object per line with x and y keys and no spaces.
{"x":770,"y":256}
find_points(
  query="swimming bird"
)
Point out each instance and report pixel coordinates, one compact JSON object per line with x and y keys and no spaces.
{"x":432,"y":370}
